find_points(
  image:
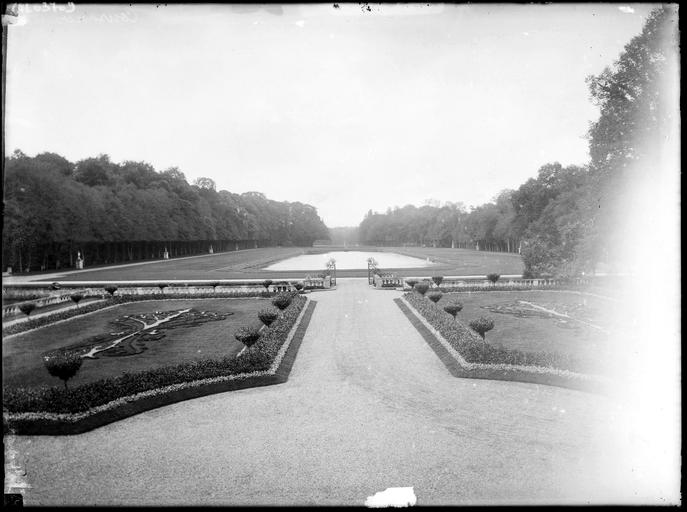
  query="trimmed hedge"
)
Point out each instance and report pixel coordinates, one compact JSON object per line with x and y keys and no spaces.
{"x":475,"y":350}
{"x":119,"y":299}
{"x":421,"y":287}
{"x":505,"y":288}
{"x":258,"y":357}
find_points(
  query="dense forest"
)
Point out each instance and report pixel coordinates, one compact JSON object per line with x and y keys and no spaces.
{"x":568,"y":219}
{"x":109,"y":212}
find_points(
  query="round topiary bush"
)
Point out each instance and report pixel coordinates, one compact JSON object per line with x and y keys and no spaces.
{"x":247,"y":335}
{"x":453,"y":308}
{"x":63,"y":365}
{"x":493,"y":277}
{"x":482,"y":325}
{"x":27,"y":308}
{"x":435,"y":296}
{"x":111,"y":289}
{"x":298,"y":286}
{"x":282,"y":301}
{"x":266,"y":283}
{"x":437,"y":280}
{"x":76,"y":298}
{"x":412,"y":282}
{"x":267,"y":316}
{"x":421,"y":287}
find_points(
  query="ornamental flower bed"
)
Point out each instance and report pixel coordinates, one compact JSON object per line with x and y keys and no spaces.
{"x":33,"y":323}
{"x":475,"y":350}
{"x":259,"y":358}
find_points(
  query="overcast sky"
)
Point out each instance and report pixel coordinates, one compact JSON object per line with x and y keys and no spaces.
{"x":343,"y":108}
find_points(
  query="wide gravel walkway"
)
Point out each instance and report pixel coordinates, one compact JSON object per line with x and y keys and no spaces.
{"x":368,"y":406}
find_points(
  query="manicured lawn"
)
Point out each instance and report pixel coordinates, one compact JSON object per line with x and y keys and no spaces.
{"x":520,"y":325}
{"x":243,"y":264}
{"x":462,"y":262}
{"x":22,"y":354}
{"x":249,"y":264}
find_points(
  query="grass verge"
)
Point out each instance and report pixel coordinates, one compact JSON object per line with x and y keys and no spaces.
{"x":465,"y":355}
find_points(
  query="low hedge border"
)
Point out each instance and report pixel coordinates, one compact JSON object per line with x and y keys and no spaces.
{"x":515,"y":289}
{"x":503,"y":288}
{"x":60,"y":316}
{"x":272,"y":363}
{"x":458,"y":366}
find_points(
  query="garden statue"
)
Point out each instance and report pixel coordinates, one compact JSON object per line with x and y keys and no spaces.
{"x":79,"y":260}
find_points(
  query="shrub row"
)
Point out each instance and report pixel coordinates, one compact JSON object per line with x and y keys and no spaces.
{"x":34,"y":322}
{"x":474,"y":350}
{"x":258,"y":357}
{"x":505,"y":287}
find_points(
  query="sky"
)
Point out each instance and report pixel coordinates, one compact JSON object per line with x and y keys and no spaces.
{"x":344,"y":108}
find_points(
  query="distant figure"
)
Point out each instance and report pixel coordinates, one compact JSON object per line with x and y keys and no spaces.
{"x":165,"y":255}
{"x":79,"y":260}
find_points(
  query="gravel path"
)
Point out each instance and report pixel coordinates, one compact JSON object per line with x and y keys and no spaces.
{"x":368,"y":406}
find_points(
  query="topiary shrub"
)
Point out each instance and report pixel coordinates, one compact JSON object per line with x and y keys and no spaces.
{"x":493,"y":277}
{"x":247,"y":335}
{"x":214,"y":285}
{"x":437,"y":280}
{"x":27,"y":308}
{"x":421,"y":287}
{"x":63,"y":365}
{"x":298,"y":286}
{"x":453,"y":308}
{"x":282,"y":301}
{"x":162,"y":287}
{"x":267,"y":316}
{"x":482,"y":325}
{"x":111,"y":289}
{"x":76,"y":298}
{"x":412,"y":282}
{"x":266,"y":283}
{"x":435,"y":296}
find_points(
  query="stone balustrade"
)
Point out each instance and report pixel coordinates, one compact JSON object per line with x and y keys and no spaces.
{"x":467,"y":284}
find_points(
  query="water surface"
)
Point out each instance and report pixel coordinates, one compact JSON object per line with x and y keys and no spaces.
{"x":349,"y":260}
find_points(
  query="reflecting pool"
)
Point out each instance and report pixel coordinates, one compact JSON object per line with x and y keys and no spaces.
{"x":349,"y":260}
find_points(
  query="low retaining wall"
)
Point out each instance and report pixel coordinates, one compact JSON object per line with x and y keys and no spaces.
{"x":388,"y":282}
{"x":49,"y":296}
{"x":503,"y":284}
{"x":49,"y":300}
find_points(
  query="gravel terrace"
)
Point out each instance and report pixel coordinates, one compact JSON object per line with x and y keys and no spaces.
{"x":368,"y":406}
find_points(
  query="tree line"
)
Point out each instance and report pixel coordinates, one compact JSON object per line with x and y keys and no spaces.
{"x":569,"y":219}
{"x":109,"y":213}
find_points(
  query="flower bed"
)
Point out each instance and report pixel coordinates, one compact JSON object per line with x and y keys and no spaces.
{"x":478,"y":359}
{"x":55,"y":410}
{"x":33,"y":323}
